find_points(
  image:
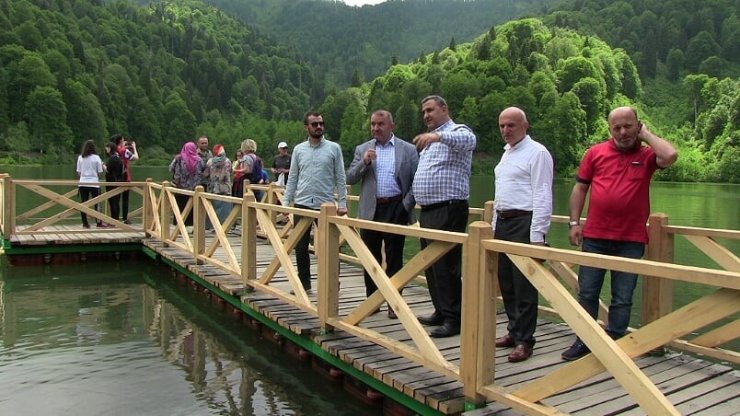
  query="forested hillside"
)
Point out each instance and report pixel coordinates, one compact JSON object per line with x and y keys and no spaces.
{"x":169,"y":71}
{"x":668,"y":38}
{"x":566,"y":82}
{"x":73,"y":70}
{"x":348,"y":44}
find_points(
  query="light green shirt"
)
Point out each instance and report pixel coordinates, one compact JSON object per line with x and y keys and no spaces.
{"x":316,"y":173}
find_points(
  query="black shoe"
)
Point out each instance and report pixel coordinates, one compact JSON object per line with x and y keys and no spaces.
{"x":391,"y":313}
{"x":576,"y":351}
{"x":432,"y":320}
{"x":448,"y":329}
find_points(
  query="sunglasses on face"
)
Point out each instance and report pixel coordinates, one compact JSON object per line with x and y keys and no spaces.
{"x":317,"y":124}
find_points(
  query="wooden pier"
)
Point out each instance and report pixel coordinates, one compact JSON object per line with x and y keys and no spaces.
{"x":395,"y":360}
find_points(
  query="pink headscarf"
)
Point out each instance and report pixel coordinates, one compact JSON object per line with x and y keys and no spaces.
{"x":189,"y":154}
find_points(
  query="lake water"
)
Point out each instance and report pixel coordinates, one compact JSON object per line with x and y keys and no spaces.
{"x":126,"y":339}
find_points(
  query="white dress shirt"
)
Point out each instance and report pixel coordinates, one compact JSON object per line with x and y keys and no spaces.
{"x":524,"y":182}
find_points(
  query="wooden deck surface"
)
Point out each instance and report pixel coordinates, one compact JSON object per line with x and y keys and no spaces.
{"x":693,"y":385}
{"x":75,"y":234}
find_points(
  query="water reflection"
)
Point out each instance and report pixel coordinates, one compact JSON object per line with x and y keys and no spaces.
{"x":94,"y":341}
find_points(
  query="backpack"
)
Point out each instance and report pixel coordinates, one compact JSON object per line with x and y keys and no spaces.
{"x":256,"y":175}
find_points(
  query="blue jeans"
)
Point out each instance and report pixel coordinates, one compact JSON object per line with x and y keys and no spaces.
{"x":591,"y":279}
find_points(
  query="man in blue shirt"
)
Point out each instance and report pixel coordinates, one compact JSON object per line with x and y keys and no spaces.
{"x":317,"y":171}
{"x":386,"y":165}
{"x":442,"y":188}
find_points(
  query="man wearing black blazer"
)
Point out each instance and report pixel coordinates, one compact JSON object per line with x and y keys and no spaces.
{"x":386,"y":166}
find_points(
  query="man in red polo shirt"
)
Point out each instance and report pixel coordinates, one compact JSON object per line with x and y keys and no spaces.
{"x":618,"y":173}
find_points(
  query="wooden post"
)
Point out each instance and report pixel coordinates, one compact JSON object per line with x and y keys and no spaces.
{"x":199,"y":224}
{"x":148,"y":204}
{"x":657,"y":294}
{"x":327,"y":253}
{"x":165,"y":214}
{"x":8,"y":213}
{"x":270,"y":199}
{"x":478,"y":335}
{"x":249,"y":239}
{"x":488,"y":212}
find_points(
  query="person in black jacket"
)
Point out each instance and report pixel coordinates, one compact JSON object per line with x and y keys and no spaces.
{"x":113,"y":173}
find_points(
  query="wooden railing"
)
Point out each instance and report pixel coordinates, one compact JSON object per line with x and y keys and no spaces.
{"x":60,"y":205}
{"x":551,"y":271}
{"x":478,"y":337}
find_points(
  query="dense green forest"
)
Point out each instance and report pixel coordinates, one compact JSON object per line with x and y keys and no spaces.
{"x":350,"y":44}
{"x":165,"y":72}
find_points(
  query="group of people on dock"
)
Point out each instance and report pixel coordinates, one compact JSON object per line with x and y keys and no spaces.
{"x":118,"y":152}
{"x":197,"y":164}
{"x":433,"y":171}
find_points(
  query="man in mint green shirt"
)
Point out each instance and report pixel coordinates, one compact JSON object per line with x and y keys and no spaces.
{"x":316,"y":173}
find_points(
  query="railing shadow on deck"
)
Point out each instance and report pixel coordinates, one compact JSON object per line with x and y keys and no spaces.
{"x":551,"y":270}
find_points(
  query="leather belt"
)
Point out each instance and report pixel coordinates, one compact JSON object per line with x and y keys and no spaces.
{"x":381,"y":201}
{"x":442,"y":204}
{"x":512,"y":213}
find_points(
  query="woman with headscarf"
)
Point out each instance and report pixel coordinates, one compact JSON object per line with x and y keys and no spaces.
{"x":186,"y":169}
{"x":217,"y":175}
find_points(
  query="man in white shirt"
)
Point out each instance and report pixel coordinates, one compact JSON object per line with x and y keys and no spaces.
{"x":523,"y":207}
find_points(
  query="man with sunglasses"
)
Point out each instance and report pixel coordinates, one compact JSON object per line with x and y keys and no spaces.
{"x":316,"y":173}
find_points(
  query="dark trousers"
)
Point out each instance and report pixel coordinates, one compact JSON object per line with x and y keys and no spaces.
{"x":86,"y":193}
{"x":520,"y":297}
{"x":114,"y":203}
{"x":124,"y":205}
{"x":182,"y":200}
{"x":391,"y":213}
{"x":302,"y":259}
{"x":443,"y":277}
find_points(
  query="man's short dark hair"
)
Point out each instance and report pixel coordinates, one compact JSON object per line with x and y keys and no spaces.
{"x":310,"y":114}
{"x":437,"y":99}
{"x":116,"y":138}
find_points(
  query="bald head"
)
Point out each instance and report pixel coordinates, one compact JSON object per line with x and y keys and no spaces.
{"x":624,"y":127}
{"x":512,"y":123}
{"x":623,"y":112}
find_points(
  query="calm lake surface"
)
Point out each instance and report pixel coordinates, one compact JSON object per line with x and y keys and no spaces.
{"x":124,"y":338}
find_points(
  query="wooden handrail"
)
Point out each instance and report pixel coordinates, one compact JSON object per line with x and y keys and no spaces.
{"x":662,"y":325}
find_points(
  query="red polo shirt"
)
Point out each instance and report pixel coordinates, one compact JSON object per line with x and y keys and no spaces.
{"x":619,"y":204}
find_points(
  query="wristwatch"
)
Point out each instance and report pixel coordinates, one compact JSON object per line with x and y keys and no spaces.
{"x":573,"y":223}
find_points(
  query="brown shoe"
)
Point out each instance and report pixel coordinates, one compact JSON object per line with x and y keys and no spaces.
{"x":506,"y":341}
{"x":521,"y":352}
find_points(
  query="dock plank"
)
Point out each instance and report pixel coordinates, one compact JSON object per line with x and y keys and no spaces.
{"x":693,"y":385}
